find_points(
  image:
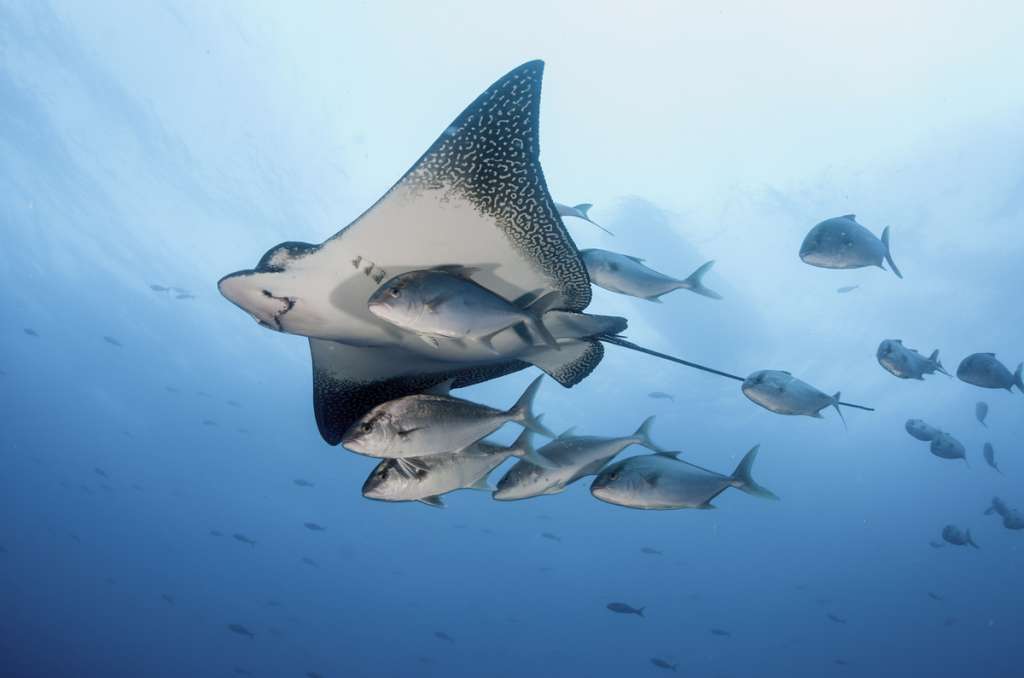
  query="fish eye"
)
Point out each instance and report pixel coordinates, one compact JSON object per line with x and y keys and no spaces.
{"x":395,"y":292}
{"x":366,"y":427}
{"x":614,"y":475}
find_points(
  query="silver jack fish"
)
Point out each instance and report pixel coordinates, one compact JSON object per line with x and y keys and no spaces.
{"x":840,"y":242}
{"x":954,"y":535}
{"x":946,"y":446}
{"x":907,"y":363}
{"x":982,"y":369}
{"x":980,"y":412}
{"x":628,"y":275}
{"x":989,"y":453}
{"x":661,"y":482}
{"x":434,"y":423}
{"x":782,"y":393}
{"x":921,"y":430}
{"x":571,"y":458}
{"x":445,"y":302}
{"x":1012,"y":518}
{"x":427,"y":478}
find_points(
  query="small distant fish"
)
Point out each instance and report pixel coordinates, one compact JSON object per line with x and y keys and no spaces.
{"x":185,"y":295}
{"x":946,"y":446}
{"x":842,"y":243}
{"x":980,"y":412}
{"x":661,"y":395}
{"x":31,"y":332}
{"x":242,"y":538}
{"x":315,"y":527}
{"x":302,"y":483}
{"x":720,"y":632}
{"x":171,"y":389}
{"x":847,"y":289}
{"x":203,"y":394}
{"x":837,"y":619}
{"x":780,"y":392}
{"x":100,"y":472}
{"x":934,"y":596}
{"x":623,"y":608}
{"x":552,"y":537}
{"x":954,"y":535}
{"x":168,"y":597}
{"x":1012,"y":518}
{"x":241,"y":630}
{"x":234,"y":403}
{"x":309,"y":561}
{"x":662,"y":664}
{"x":579,"y":211}
{"x":628,"y":275}
{"x":984,"y":370}
{"x":989,"y":453}
{"x":274,"y":603}
{"x":424,"y":660}
{"x":210,"y":422}
{"x":159,"y":288}
{"x":922,"y":431}
{"x":217,"y":533}
{"x":74,"y":535}
{"x":441,"y":635}
{"x":907,"y":363}
{"x":650,"y":551}
{"x":949,"y":621}
{"x":841,"y":662}
{"x":936,"y":544}
{"x":112,"y":341}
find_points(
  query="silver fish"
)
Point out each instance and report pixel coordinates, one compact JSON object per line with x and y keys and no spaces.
{"x":433,"y":423}
{"x":946,"y":446}
{"x":954,"y":535}
{"x":580,"y":212}
{"x":572,"y":457}
{"x":782,"y":393}
{"x":984,"y":370}
{"x":445,"y":302}
{"x":907,"y":363}
{"x":980,"y":412}
{"x":840,"y":242}
{"x":661,"y":482}
{"x":922,"y":431}
{"x":989,"y":453}
{"x":425,"y":479}
{"x":1012,"y":518}
{"x":628,"y":275}
{"x":847,"y":289}
{"x":661,"y":395}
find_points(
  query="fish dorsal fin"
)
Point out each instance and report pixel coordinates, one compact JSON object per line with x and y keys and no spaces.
{"x":567,"y":433}
{"x":636,"y":259}
{"x":466,"y":272}
{"x":442,"y":389}
{"x":990,"y":355}
{"x":786,"y":373}
{"x":669,"y":455}
{"x":851,"y":217}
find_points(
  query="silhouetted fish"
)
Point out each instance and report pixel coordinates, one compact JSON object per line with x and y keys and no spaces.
{"x":661,"y":395}
{"x":302,"y":483}
{"x":185,"y":295}
{"x":309,"y":561}
{"x":720,"y":632}
{"x":552,"y":537}
{"x":112,"y":341}
{"x":623,"y":608}
{"x":242,"y":538}
{"x":100,"y":472}
{"x":934,"y":596}
{"x":650,"y":551}
{"x":159,"y":288}
{"x":171,"y":389}
{"x":241,"y":630}
{"x":210,"y":422}
{"x":662,"y":664}
{"x":936,"y":544}
{"x":980,"y":412}
{"x":314,"y":527}
{"x":835,"y":618}
{"x":234,"y":403}
{"x":31,"y":332}
{"x":217,"y":533}
{"x":847,"y":289}
{"x":168,"y":597}
{"x":441,"y":635}
{"x":984,"y":370}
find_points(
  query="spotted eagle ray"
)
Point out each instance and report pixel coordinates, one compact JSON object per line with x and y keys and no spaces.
{"x":478,"y":198}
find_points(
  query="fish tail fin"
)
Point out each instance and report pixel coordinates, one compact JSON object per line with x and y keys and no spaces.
{"x":934,"y":358}
{"x":535,"y":316}
{"x":522,"y":411}
{"x":1017,"y":377}
{"x":523,"y":448}
{"x":644,"y":434}
{"x":888,"y":252}
{"x":742,"y":478}
{"x":967,"y":462}
{"x":640,"y":611}
{"x":970,"y":540}
{"x":694,"y":282}
{"x":835,"y":403}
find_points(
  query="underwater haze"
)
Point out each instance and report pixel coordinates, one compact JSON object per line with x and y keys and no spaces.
{"x":168,"y":507}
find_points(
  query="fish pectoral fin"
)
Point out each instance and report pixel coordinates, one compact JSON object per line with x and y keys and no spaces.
{"x":436,"y":302}
{"x":433,"y":500}
{"x":442,"y":389}
{"x":652,"y":478}
{"x":404,"y":433}
{"x":480,"y":484}
{"x":410,"y":467}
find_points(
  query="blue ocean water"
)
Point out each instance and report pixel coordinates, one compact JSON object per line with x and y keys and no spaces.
{"x":171,"y":143}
